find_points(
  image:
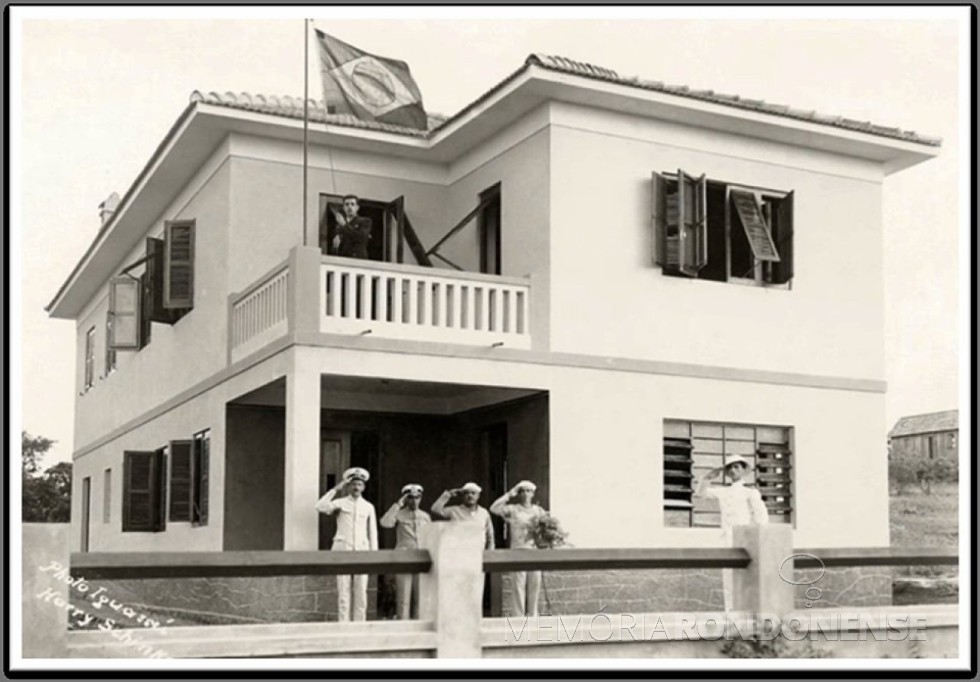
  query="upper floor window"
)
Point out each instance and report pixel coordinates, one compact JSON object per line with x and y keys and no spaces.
{"x":110,"y":352}
{"x":164,"y":292}
{"x":707,"y":229}
{"x":89,"y":380}
{"x":692,"y":449}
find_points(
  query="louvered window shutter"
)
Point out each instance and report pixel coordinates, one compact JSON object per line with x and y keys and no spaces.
{"x":755,"y":227}
{"x":690,"y":250}
{"x":124,"y":311}
{"x":139,"y":472}
{"x":201,"y":457}
{"x":659,"y":213}
{"x":178,"y":277}
{"x":180,"y":480}
{"x":782,"y":271}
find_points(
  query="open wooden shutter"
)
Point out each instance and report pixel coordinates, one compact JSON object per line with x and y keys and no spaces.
{"x":756,"y":230}
{"x":178,"y":275}
{"x":659,"y":214}
{"x":142,"y":486}
{"x":180,"y":480}
{"x":687,"y":243}
{"x":155,"y":310}
{"x":124,"y":311}
{"x":405,"y":234}
{"x":201,"y":476}
{"x":782,"y":271}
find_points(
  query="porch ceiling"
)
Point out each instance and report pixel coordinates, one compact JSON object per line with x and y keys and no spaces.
{"x":378,"y":394}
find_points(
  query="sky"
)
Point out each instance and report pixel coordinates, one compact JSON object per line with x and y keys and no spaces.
{"x":94,"y":91}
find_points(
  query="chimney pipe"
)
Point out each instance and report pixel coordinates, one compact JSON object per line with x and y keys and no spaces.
{"x":108,"y":207}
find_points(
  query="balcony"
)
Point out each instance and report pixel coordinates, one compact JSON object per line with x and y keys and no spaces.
{"x":387,"y":300}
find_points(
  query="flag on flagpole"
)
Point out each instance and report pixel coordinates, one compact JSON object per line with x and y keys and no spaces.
{"x":369,"y":87}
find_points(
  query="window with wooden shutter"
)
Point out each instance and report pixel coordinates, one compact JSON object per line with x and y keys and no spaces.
{"x":749,"y":213}
{"x":782,"y":272}
{"x":721,"y":231}
{"x":110,"y":353}
{"x":144,"y":490}
{"x":155,"y":269}
{"x":178,"y":276}
{"x":201,"y":478}
{"x":659,"y":213}
{"x":124,"y":313}
{"x":89,"y":379}
{"x":180,"y":480}
{"x":685,"y":225}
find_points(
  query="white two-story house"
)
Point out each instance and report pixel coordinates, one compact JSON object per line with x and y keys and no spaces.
{"x":602,"y":284}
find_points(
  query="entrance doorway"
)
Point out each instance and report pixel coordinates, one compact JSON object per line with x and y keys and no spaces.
{"x":379,"y":212}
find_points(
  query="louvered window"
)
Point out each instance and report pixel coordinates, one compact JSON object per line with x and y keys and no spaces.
{"x":708,"y":229}
{"x":178,"y":265}
{"x":691,"y":449}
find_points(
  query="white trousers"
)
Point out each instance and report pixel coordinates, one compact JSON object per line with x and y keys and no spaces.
{"x":351,"y":587}
{"x":407,"y":595}
{"x":525,"y":587}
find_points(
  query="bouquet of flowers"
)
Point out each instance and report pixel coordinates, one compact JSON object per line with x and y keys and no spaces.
{"x":547,"y":533}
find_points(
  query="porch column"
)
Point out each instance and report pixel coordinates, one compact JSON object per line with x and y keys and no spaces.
{"x":300,"y":520}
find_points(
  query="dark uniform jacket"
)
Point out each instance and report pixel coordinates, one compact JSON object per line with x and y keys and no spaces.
{"x":354,"y":237}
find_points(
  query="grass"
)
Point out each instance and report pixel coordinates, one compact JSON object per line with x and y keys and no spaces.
{"x":918,"y":519}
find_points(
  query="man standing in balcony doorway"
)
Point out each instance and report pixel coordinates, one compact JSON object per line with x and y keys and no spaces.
{"x":353,"y":232}
{"x":357,"y":529}
{"x":516,"y":508}
{"x":408,"y":521}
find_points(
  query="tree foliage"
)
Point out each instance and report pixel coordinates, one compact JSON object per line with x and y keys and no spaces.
{"x":906,"y":470}
{"x":46,"y":497}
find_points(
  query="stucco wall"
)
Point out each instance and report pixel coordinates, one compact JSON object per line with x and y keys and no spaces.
{"x":177,"y":356}
{"x":608,"y":297}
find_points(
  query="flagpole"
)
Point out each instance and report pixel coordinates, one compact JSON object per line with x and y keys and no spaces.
{"x":306,"y":117}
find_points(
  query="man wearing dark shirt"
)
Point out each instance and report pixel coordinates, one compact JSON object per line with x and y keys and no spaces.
{"x":352,"y":232}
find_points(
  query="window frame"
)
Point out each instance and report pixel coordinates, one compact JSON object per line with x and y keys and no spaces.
{"x":88,"y":372}
{"x":107,"y":495}
{"x":789,"y":496}
{"x":200,"y":478}
{"x":766,"y":196}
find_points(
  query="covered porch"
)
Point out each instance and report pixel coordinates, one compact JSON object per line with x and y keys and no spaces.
{"x":280,"y":460}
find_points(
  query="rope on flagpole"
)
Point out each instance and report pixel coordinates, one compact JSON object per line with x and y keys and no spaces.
{"x":306,"y":120}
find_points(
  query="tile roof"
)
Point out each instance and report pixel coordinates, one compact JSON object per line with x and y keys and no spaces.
{"x":292,"y":107}
{"x":926,"y":423}
{"x":591,"y":71}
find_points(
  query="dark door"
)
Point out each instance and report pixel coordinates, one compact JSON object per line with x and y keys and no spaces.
{"x":493,"y":444}
{"x":334,"y":459}
{"x":86,"y":512}
{"x":378,"y":246}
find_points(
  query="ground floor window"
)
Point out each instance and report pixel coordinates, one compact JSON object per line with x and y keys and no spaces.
{"x":144,"y":490}
{"x":692,"y":448}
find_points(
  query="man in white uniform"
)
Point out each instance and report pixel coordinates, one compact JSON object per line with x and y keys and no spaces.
{"x":516,"y":508}
{"x":469,"y":510}
{"x":738,"y":505}
{"x":408,"y":521}
{"x":357,"y":529}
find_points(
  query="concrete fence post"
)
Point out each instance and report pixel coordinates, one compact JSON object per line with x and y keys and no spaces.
{"x":451,"y":593}
{"x":304,"y":289}
{"x":44,"y":599}
{"x":759,"y":587}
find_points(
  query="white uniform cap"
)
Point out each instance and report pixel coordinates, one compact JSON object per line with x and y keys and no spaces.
{"x":472,"y":486}
{"x":357,"y":474}
{"x":737,"y":459}
{"x":527,"y":485}
{"x":411,"y":489}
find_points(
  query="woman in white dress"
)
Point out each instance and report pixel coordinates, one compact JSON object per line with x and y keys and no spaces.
{"x":738,"y":505}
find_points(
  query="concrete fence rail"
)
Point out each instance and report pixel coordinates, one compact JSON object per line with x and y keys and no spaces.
{"x":452,"y":565}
